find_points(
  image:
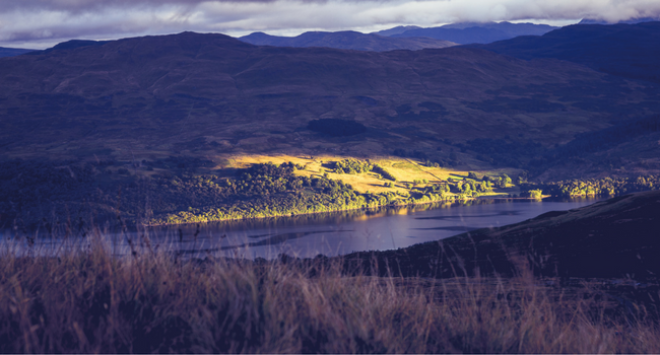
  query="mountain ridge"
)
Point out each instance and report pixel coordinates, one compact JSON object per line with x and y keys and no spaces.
{"x":346,"y":40}
{"x":474,"y":32}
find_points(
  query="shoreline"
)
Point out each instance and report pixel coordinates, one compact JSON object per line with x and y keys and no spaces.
{"x":455,"y":200}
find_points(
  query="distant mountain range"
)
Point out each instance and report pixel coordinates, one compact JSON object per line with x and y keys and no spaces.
{"x":346,"y":40}
{"x":400,"y":37}
{"x":404,"y":37}
{"x":396,"y":30}
{"x":10,"y":52}
{"x":471,"y":32}
{"x":626,"y":50}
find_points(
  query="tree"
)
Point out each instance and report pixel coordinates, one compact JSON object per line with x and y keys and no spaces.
{"x":506,"y":180}
{"x":536,"y":194}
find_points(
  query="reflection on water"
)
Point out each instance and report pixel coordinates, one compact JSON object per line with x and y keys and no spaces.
{"x":500,"y":213}
{"x":330,"y":233}
{"x":280,"y":238}
{"x":449,"y":228}
{"x":329,"y":218}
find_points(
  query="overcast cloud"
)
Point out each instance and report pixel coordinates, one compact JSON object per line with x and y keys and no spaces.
{"x":43,"y":23}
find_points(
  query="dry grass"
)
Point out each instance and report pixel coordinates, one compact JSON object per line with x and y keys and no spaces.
{"x":93,"y":302}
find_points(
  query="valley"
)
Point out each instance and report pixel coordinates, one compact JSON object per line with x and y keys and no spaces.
{"x":472,"y":187}
{"x":119,"y":122}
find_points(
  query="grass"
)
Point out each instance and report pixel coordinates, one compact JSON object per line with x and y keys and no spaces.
{"x":152,"y":301}
{"x":405,"y":170}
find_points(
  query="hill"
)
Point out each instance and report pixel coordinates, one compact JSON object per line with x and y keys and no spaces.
{"x":626,"y":50}
{"x":623,"y":50}
{"x":346,"y":40}
{"x":616,"y":238}
{"x":166,"y":127}
{"x":10,"y":52}
{"x":212,"y":95}
{"x":473,"y":32}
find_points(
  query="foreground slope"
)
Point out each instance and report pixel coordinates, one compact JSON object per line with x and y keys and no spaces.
{"x":613,"y":238}
{"x":346,"y":40}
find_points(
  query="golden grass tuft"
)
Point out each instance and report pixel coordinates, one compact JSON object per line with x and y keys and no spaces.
{"x":93,"y":302}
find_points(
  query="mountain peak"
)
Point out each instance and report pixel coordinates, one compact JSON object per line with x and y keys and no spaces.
{"x":395,"y":30}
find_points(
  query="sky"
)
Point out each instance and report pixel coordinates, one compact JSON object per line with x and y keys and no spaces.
{"x":39,"y":24}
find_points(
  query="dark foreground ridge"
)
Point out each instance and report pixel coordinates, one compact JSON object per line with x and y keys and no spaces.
{"x":617,"y":238}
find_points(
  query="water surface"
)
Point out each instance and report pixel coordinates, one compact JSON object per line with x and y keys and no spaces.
{"x":345,"y":232}
{"x":329,"y":234}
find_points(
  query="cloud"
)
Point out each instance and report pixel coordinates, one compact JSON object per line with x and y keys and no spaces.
{"x":42,"y":23}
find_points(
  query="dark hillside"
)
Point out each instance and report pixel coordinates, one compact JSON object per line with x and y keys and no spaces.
{"x":608,"y":150}
{"x":210,"y":95}
{"x":627,"y":50}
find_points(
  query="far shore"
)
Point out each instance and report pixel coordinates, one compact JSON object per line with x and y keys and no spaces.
{"x":454,"y":200}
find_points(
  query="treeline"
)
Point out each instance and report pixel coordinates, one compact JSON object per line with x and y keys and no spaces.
{"x":60,"y":194}
{"x":348,"y":166}
{"x":51,"y":194}
{"x":268,"y":190}
{"x":384,"y":173}
{"x":46,"y":191}
{"x":67,"y":194}
{"x":593,"y":187}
